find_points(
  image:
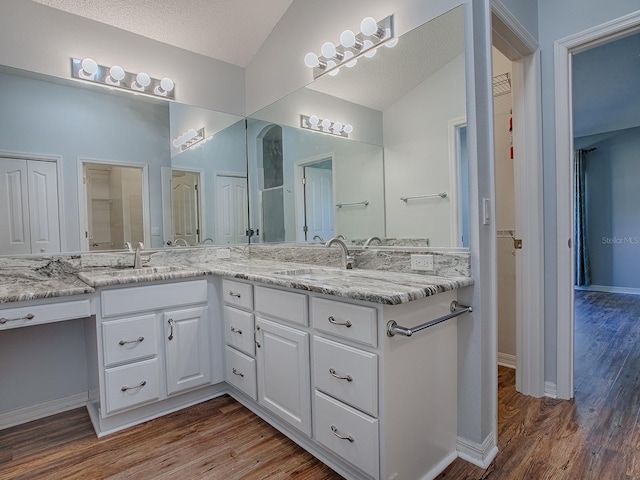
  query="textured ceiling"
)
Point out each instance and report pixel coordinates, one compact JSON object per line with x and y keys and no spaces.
{"x":228,"y":30}
{"x":380,"y":81}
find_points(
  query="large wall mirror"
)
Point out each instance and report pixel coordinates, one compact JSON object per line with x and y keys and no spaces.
{"x":85,"y":168}
{"x":402,"y":171}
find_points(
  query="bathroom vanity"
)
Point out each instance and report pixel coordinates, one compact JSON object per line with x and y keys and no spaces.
{"x":306,"y":348}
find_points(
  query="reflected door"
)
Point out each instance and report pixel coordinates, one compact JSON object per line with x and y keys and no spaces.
{"x":30,"y":210}
{"x":231,"y":210}
{"x":185,"y":205}
{"x":318,"y":199}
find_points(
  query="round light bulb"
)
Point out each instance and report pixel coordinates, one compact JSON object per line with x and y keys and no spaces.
{"x":116,"y":73}
{"x":369,"y":26}
{"x":90,"y":66}
{"x":337,"y":127}
{"x":328,"y":50}
{"x":176,"y":142}
{"x":391,"y":43}
{"x":348,"y":128}
{"x":311,"y":60}
{"x":166,"y":84}
{"x":313,"y":120}
{"x":372,"y":51}
{"x":348,"y":39}
{"x":191,"y":133}
{"x":347,"y":56}
{"x":326,"y":123}
{"x":143,"y":79}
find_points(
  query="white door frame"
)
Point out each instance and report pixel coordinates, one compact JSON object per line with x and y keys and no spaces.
{"x":299,"y":192}
{"x":564,"y":49}
{"x":513,"y":40}
{"x":453,"y":128}
{"x":82,"y":198}
{"x":201,"y":201}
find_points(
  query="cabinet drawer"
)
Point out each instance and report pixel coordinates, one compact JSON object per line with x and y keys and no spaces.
{"x":334,"y":420}
{"x":131,"y":385}
{"x":123,"y":301}
{"x":129,"y":339}
{"x":238,"y":294}
{"x":44,"y":313}
{"x":354,"y":322}
{"x":280,"y":304}
{"x":239,"y":330}
{"x":240,"y":371}
{"x":359,"y":389}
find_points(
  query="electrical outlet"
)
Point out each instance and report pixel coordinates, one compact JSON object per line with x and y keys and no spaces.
{"x":223,"y":253}
{"x":422,"y":262}
{"x":155,"y":231}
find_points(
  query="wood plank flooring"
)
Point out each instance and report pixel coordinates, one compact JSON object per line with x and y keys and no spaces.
{"x":594,"y":436}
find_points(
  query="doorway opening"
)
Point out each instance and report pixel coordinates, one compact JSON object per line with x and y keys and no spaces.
{"x":314,"y":199}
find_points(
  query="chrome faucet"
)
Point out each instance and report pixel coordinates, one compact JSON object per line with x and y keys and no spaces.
{"x":208,"y":239}
{"x":184,"y":242}
{"x":347,"y":261}
{"x":137,"y":258}
{"x":371,"y":239}
{"x":319,"y":238}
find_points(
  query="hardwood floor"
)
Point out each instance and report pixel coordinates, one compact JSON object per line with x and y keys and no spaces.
{"x":594,"y":436}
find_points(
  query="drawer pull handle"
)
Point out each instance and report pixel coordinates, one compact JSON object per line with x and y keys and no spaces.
{"x":333,"y":320}
{"x":334,"y":429}
{"x":236,"y":330}
{"x":140,"y":385}
{"x":137,"y":340}
{"x":235,"y":372}
{"x":234,"y":294}
{"x":28,"y":316}
{"x":333,"y":373}
{"x":171,"y":323}
{"x":256,"y":337}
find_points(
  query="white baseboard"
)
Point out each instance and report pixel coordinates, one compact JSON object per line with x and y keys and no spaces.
{"x":41,"y":410}
{"x":507,"y":360}
{"x":550,"y":390}
{"x":480,"y":455}
{"x":608,"y":289}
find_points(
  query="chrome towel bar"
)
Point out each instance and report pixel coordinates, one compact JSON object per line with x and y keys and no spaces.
{"x":456,"y":309}
{"x":441,"y":195}
{"x":364,"y":202}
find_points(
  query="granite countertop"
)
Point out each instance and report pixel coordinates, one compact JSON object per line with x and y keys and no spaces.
{"x":45,"y":278}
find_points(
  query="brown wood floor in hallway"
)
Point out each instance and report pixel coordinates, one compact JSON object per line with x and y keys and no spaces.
{"x":595,"y":436}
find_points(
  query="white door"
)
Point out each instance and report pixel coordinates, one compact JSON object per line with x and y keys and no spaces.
{"x":231,"y":210}
{"x":318,"y":202}
{"x":187,"y":348}
{"x":30,"y":209}
{"x":185,"y":204}
{"x":283,"y":372}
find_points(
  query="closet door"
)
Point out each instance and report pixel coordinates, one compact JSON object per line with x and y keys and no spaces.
{"x":14,"y":208}
{"x":43,"y":207}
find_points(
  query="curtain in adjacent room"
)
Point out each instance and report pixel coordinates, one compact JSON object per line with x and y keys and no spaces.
{"x":581,"y":252}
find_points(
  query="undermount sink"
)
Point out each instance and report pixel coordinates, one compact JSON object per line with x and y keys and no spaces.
{"x":133,"y":272}
{"x":314,"y":274}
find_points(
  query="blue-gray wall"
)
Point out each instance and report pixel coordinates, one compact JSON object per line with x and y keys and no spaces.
{"x":613,"y":217}
{"x":39,"y":117}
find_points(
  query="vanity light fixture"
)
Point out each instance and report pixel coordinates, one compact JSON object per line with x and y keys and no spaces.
{"x":352,"y":46}
{"x":89,"y":70}
{"x":324,"y":125}
{"x":190,"y":139}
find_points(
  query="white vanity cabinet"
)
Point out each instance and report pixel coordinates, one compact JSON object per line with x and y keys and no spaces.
{"x":152,"y":345}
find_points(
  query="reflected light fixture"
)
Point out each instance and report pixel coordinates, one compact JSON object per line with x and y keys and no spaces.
{"x":190,"y":139}
{"x":89,"y":70}
{"x":352,"y":45}
{"x":324,"y":125}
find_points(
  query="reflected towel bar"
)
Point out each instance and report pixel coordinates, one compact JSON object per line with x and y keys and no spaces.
{"x":364,"y":202}
{"x":441,"y":195}
{"x":456,"y":310}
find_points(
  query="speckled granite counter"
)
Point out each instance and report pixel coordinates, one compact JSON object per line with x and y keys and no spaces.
{"x":31,"y":278}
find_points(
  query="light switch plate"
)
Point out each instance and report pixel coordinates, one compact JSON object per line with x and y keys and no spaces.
{"x":155,"y":231}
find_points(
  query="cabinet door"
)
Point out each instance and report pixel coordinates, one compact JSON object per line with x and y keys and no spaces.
{"x":283,"y":372}
{"x":187,"y":348}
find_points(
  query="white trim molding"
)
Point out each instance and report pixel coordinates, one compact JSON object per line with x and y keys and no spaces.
{"x":609,"y":289}
{"x":550,"y":390}
{"x":480,"y":455}
{"x":564,"y":48}
{"x":42,"y":410}
{"x":507,"y":360}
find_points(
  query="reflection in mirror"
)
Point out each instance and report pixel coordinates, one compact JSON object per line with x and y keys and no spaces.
{"x":408,"y":110}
